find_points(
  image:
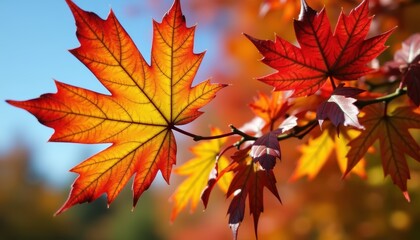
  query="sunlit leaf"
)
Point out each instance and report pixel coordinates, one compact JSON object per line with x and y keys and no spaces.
{"x":342,"y":148}
{"x":270,"y":108}
{"x":321,"y":54}
{"x":320,"y":149}
{"x":339,"y":108}
{"x":138,"y":116}
{"x":314,"y":156}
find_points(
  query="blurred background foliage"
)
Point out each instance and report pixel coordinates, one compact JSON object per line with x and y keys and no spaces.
{"x":325,"y":208}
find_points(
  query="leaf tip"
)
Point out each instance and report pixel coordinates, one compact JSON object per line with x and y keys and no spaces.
{"x":234,"y":227}
{"x":320,"y":122}
{"x":305,"y":9}
{"x":72,"y":5}
{"x":407,"y":196}
{"x":135,"y":200}
{"x":251,"y":38}
{"x":348,"y":170}
{"x":176,"y":6}
{"x":346,"y":173}
{"x":61,"y":210}
{"x":13,"y":103}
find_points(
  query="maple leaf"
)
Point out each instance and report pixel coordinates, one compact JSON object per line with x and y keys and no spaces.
{"x":248,"y":182}
{"x":266,"y":149}
{"x":341,"y":55}
{"x":407,"y":62}
{"x":319,"y":149}
{"x":144,"y":105}
{"x":339,"y":108}
{"x":394,"y":139}
{"x":270,"y":108}
{"x":198,"y":170}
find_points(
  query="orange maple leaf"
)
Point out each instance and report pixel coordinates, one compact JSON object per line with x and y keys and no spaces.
{"x":138,"y":116}
{"x":270,"y":108}
{"x":391,"y":129}
{"x":319,"y":149}
{"x":198,"y":170}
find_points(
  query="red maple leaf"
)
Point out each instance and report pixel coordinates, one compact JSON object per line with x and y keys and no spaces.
{"x":341,"y":55}
{"x":249,"y":182}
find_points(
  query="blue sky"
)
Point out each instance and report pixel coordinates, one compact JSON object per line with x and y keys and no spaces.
{"x":35,"y":37}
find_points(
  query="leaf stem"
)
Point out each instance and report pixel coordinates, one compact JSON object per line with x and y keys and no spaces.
{"x":308,"y":128}
{"x":198,"y":137}
{"x":333,"y":83}
{"x":386,"y":110}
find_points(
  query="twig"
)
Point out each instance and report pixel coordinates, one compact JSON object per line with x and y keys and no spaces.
{"x":387,"y":98}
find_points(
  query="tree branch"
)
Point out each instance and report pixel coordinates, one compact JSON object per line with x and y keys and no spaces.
{"x":387,"y":98}
{"x":297,"y":132}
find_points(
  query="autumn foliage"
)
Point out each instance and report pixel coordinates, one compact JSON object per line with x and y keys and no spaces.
{"x":142,"y":142}
{"x":323,"y":94}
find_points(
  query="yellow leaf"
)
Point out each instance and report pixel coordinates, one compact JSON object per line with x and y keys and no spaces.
{"x":318,"y":150}
{"x":197,"y":171}
{"x":314,"y":156}
{"x":342,"y":148}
